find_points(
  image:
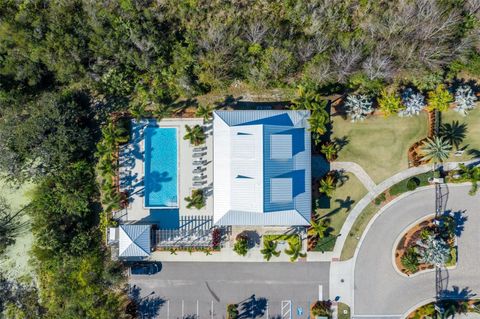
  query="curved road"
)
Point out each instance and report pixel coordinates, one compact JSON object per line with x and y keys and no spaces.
{"x":379,"y":290}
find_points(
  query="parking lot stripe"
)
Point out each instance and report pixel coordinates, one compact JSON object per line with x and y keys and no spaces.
{"x":183,"y":312}
{"x":211,"y":312}
{"x":197,"y":308}
{"x":168,"y":309}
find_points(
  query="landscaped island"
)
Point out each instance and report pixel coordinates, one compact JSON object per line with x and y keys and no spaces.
{"x":426,"y":244}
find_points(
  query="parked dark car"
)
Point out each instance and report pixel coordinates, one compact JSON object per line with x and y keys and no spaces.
{"x":144,"y":269}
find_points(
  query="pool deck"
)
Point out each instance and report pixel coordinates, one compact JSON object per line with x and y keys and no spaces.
{"x":131,"y":172}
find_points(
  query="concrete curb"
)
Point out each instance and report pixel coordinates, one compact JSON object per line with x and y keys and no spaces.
{"x":397,"y":240}
{"x":380,"y":188}
{"x":372,"y":220}
{"x":421,"y":303}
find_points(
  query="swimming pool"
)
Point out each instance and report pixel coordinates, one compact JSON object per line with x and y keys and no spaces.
{"x":161,"y":167}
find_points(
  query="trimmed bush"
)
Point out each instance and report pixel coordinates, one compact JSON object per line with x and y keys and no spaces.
{"x":322,"y":309}
{"x":413,"y":183}
{"x":241,"y":245}
{"x":232,"y":311}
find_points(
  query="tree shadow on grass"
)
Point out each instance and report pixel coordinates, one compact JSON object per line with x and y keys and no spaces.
{"x":341,"y":142}
{"x":474,"y":153}
{"x":344,"y":204}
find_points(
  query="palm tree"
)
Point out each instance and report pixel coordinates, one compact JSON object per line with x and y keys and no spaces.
{"x":197,"y":199}
{"x":195,"y":135}
{"x":161,"y":111}
{"x":107,"y":168}
{"x":436,"y":149}
{"x":319,"y":229}
{"x":454,"y":133}
{"x":318,"y":121}
{"x":295,"y":250}
{"x":269,"y":249}
{"x":205,"y":112}
{"x":327,"y":185}
{"x":113,"y":134}
{"x":138,"y":111}
{"x":104,"y":150}
{"x":329,"y":150}
{"x":112,"y":201}
{"x":309,"y":99}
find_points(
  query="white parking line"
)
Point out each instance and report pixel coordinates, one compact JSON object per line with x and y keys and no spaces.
{"x":183,"y":312}
{"x":197,"y":308}
{"x":320,"y":292}
{"x":211,"y":312}
{"x":168,"y":309}
{"x":267,"y":309}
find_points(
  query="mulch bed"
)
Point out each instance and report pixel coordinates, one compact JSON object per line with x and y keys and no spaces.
{"x":409,"y":240}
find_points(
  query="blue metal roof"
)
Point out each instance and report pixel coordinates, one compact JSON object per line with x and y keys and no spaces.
{"x":286,"y":167}
{"x":134,"y":240}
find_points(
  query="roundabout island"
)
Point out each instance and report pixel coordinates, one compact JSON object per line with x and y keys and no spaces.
{"x":381,"y":289}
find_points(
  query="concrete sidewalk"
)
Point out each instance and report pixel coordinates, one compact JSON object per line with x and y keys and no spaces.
{"x":357,"y":170}
{"x":380,"y":188}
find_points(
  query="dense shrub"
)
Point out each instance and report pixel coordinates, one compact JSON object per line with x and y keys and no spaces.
{"x":241,"y":245}
{"x":322,"y":308}
{"x":232,"y":311}
{"x":413,"y":183}
{"x":216,"y":238}
{"x":410,"y":260}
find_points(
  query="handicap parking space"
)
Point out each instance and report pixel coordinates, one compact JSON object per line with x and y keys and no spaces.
{"x":287,"y":309}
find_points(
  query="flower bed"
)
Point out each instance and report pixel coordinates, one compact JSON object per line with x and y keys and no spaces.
{"x":461,"y":306}
{"x":426,"y":244}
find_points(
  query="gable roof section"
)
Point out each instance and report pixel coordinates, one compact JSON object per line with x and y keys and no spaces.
{"x":262,"y":168}
{"x":134,"y":240}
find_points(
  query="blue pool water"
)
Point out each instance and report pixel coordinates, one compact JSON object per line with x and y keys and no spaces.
{"x":161,"y":167}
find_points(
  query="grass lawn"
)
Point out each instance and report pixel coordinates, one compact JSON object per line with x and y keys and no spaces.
{"x":472,"y":139}
{"x":356,"y":232}
{"x":15,"y":262}
{"x":344,"y":199}
{"x":379,"y":144}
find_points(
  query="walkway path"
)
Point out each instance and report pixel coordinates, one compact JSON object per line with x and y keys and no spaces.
{"x":357,"y":170}
{"x":341,"y":272}
{"x":377,"y":190}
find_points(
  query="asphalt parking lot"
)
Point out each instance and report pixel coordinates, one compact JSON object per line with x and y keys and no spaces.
{"x":203,"y":290}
